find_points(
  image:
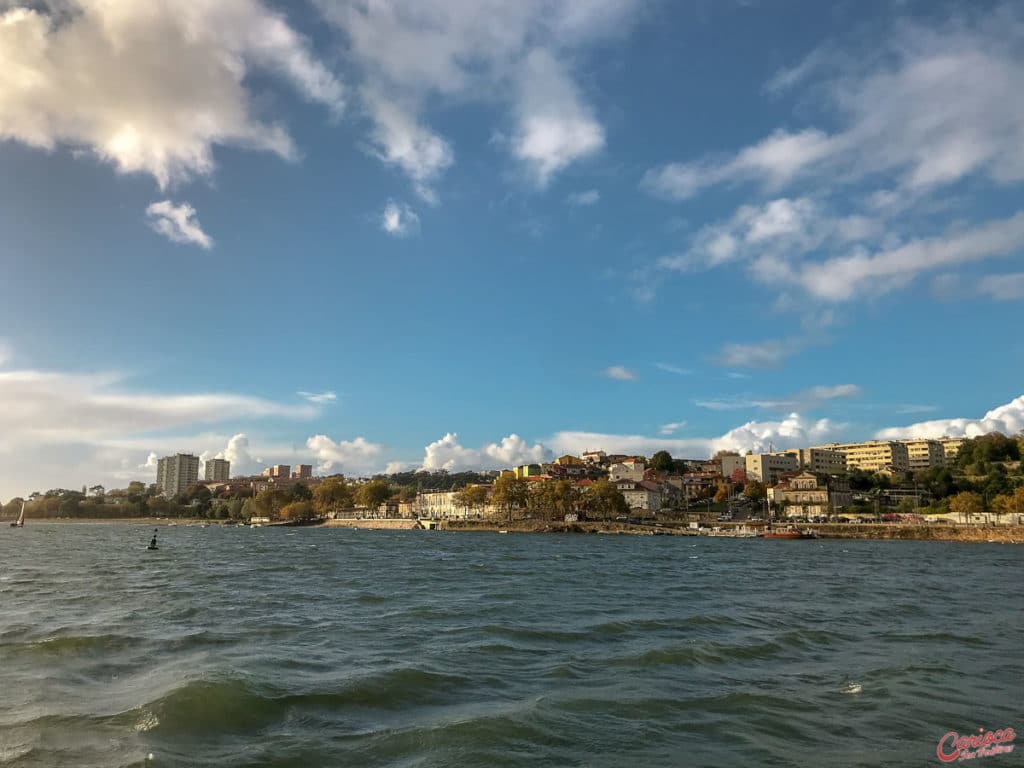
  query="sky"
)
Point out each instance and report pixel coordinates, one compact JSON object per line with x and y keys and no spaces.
{"x":455,"y":234}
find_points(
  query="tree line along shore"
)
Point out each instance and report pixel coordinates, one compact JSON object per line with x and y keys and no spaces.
{"x":986,"y":480}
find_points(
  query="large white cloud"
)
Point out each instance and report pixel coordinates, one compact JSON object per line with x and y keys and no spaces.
{"x":352,"y":457}
{"x":417,"y":54}
{"x":1008,"y":419}
{"x":64,"y":429}
{"x":932,"y":106}
{"x":791,"y":432}
{"x":151,"y":87}
{"x":447,"y":453}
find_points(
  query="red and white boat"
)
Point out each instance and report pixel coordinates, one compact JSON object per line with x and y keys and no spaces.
{"x":789,"y":532}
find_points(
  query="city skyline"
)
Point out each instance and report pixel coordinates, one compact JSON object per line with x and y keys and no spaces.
{"x":401,"y":236}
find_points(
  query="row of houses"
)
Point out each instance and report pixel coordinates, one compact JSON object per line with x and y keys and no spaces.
{"x":883,"y":456}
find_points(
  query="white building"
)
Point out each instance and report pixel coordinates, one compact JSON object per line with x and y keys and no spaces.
{"x":175,"y":474}
{"x":217,"y":470}
{"x":769,"y":467}
{"x":630,"y":469}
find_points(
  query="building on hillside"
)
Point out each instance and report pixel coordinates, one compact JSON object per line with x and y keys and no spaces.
{"x":729,"y":464}
{"x":874,"y":455}
{"x":644,"y":495}
{"x":525,"y":471}
{"x":594,"y":457}
{"x":951,"y":446}
{"x":770,"y":467}
{"x":810,"y":494}
{"x":569,"y":461}
{"x":442,"y":505}
{"x":507,"y":473}
{"x":217,"y":470}
{"x":630,"y":469}
{"x":302,"y":471}
{"x":821,"y":460}
{"x":175,"y":474}
{"x":925,"y":454}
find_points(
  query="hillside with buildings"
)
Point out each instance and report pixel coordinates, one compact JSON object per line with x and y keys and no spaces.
{"x":962,"y":477}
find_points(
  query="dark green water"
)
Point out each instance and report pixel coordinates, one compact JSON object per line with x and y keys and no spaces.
{"x":277,"y":647}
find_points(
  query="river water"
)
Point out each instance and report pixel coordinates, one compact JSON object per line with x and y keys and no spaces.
{"x":335,"y":647}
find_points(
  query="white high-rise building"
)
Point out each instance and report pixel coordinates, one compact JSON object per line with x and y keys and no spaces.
{"x":217,"y":470}
{"x":175,"y":474}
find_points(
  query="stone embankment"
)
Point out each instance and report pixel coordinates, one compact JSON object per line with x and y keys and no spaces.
{"x":390,"y":524}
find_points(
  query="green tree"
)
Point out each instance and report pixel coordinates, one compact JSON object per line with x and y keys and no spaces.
{"x":235,"y":509}
{"x":604,"y":499}
{"x":407,"y":493}
{"x":331,"y":496}
{"x":722,"y":494}
{"x":372,"y":494}
{"x":509,"y":492}
{"x":755,"y":491}
{"x":966,"y":504}
{"x":663,"y":461}
{"x":300,"y":492}
{"x":270,"y":502}
{"x":472,"y":497}
{"x":298,"y":510}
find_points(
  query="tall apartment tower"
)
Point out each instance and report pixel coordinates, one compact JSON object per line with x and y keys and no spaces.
{"x":280,"y":470}
{"x":303,"y":471}
{"x":174,"y":474}
{"x":217,"y":470}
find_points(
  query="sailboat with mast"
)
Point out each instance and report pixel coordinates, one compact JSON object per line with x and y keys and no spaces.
{"x":20,"y":522}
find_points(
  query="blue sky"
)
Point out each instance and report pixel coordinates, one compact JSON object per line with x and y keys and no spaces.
{"x":458,"y":234}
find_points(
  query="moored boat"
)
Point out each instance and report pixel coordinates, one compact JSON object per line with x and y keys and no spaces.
{"x":789,"y":532}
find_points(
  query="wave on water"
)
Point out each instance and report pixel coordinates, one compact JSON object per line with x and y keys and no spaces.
{"x":237,"y":705}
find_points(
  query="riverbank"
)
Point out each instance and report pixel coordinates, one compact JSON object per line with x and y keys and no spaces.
{"x":930,"y":532}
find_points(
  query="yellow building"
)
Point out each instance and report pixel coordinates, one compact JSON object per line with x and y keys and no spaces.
{"x":810,"y":494}
{"x":823,"y":460}
{"x":874,"y":455}
{"x":925,"y":454}
{"x":528,"y":470}
{"x":951,"y":447}
{"x":569,"y":461}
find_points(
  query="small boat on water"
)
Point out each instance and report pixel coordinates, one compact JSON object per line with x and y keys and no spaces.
{"x":789,"y":532}
{"x":20,"y":522}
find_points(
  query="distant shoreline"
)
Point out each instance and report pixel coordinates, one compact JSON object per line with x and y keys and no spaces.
{"x":1006,"y":534}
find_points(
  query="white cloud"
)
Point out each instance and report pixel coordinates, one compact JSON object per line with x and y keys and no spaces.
{"x":844,"y":277}
{"x":399,"y":219}
{"x":319,"y":398}
{"x":671,"y":428}
{"x":448,"y":454}
{"x":933,"y":106}
{"x":771,"y":237}
{"x":999,"y":287}
{"x":554,"y":126}
{"x":588,"y":197}
{"x":678,"y":371}
{"x":790,"y":432}
{"x":805,"y":400}
{"x":413,"y":56}
{"x":238,"y":452}
{"x":620,"y":373}
{"x":400,"y":140}
{"x":770,"y":353}
{"x":353,"y":457}
{"x":63,"y":429}
{"x":151,"y":87}
{"x":1008,"y":419}
{"x":150,"y":464}
{"x":775,"y":160}
{"x":177,"y":223}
